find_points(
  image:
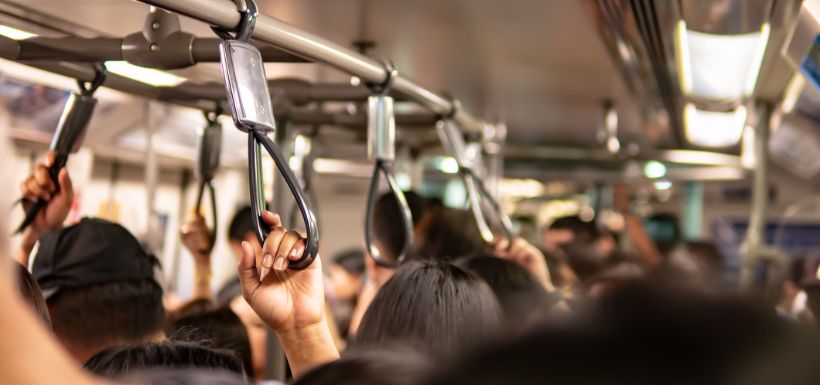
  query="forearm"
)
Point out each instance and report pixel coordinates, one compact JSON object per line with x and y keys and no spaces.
{"x":27,"y":243}
{"x":202,"y":281}
{"x":308,"y":347}
{"x":644,"y":245}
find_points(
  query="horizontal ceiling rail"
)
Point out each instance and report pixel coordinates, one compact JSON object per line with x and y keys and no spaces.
{"x":223,"y":13}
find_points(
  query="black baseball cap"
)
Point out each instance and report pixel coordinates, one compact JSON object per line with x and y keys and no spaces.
{"x":91,"y":252}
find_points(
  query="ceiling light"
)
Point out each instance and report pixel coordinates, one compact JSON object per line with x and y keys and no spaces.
{"x":663,"y":185}
{"x":145,"y":75}
{"x":446,"y":164}
{"x":719,"y":67}
{"x":613,"y":145}
{"x":14,"y":33}
{"x":713,"y":129}
{"x":654,"y":169}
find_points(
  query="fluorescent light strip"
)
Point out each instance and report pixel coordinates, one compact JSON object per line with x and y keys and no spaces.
{"x":757,"y":61}
{"x":684,"y":59}
{"x":719,"y":66}
{"x":14,"y":33}
{"x":713,"y":129}
{"x":145,"y":75}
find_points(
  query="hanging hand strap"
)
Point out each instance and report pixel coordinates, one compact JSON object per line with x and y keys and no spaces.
{"x":477,"y":192}
{"x":208,"y":155}
{"x":257,"y":140}
{"x":381,"y":135}
{"x":249,"y":98}
{"x":69,"y":134}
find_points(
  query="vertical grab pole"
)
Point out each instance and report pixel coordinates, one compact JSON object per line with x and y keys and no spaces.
{"x":752,"y":250}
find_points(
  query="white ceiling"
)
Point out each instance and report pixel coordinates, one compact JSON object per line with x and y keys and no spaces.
{"x":538,"y":65}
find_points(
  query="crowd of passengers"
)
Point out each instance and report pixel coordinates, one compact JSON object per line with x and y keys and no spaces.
{"x":80,"y":303}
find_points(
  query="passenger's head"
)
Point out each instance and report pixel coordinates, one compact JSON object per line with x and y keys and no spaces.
{"x":664,"y":229}
{"x":522,"y":298}
{"x":99,"y":287}
{"x":565,"y":230}
{"x":644,"y":335}
{"x":219,"y":326}
{"x":696,"y":263}
{"x":121,"y":360}
{"x":345,"y":273}
{"x":241,"y":229}
{"x":388,"y":226}
{"x":447,"y":234}
{"x":163,"y":376}
{"x":32,"y":294}
{"x":371,"y":367}
{"x":586,"y":260}
{"x":433,"y":305}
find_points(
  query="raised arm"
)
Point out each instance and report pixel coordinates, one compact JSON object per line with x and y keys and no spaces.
{"x":291,"y":302}
{"x":199,"y":240}
{"x":39,"y":185}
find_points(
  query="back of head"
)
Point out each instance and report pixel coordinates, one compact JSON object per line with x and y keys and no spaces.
{"x":99,"y":286}
{"x":351,"y":261}
{"x":434,"y":305}
{"x":644,"y":335}
{"x":388,"y":228}
{"x":219,"y":326}
{"x":518,"y":292}
{"x":241,"y":224}
{"x":165,"y":376}
{"x":447,"y":234}
{"x":32,"y":294}
{"x":371,"y":367}
{"x":120,"y":361}
{"x":581,"y":230}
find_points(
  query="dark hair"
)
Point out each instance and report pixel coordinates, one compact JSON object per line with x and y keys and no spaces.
{"x":241,"y":224}
{"x":585,"y":260}
{"x":97,"y":316}
{"x":447,"y":234}
{"x":121,"y":360}
{"x":371,"y":367}
{"x":387,"y":224}
{"x":351,"y":261}
{"x":574,"y":224}
{"x":165,"y":376}
{"x":434,"y":305}
{"x":31,"y":293}
{"x":200,"y":320}
{"x":519,"y":293}
{"x":643,"y":335}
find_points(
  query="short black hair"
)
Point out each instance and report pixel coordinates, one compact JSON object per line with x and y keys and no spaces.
{"x":97,"y":316}
{"x":391,"y":366}
{"x":241,"y":224}
{"x":388,"y":227}
{"x":433,"y":305}
{"x":200,"y":320}
{"x":352,"y":261}
{"x":32,"y":294}
{"x":165,"y":376}
{"x":575,"y":224}
{"x":519,"y":293}
{"x":121,"y":360}
{"x":447,"y":234}
{"x":649,"y":335}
